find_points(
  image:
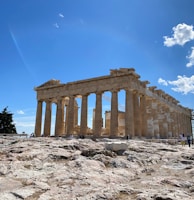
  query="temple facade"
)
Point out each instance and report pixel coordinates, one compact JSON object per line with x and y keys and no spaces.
{"x":149,"y":112}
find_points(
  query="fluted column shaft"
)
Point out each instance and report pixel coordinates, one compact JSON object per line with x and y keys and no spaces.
{"x":177,"y":126}
{"x":98,"y":115}
{"x":181,"y":123}
{"x":150,"y":118}
{"x":114,"y":115}
{"x":129,"y":119}
{"x":173,"y":122}
{"x":59,"y":125}
{"x":137,"y":124}
{"x":84,"y":113}
{"x":38,"y":119}
{"x":70,"y":117}
{"x":47,"y":120}
{"x":143,"y":115}
{"x":166,"y":121}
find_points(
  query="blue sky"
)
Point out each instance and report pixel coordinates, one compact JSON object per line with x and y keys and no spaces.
{"x":71,"y":40}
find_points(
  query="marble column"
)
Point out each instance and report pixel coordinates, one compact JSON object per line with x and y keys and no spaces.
{"x":173,"y":122}
{"x":98,"y":115}
{"x":155,"y":112}
{"x":190,"y":124}
{"x":177,"y":125}
{"x":143,"y":115}
{"x":137,"y":120}
{"x":150,"y":118}
{"x":129,"y":119}
{"x":114,"y":114}
{"x":184,"y":124}
{"x":70,"y":120}
{"x":59,"y":124}
{"x":47,"y":120}
{"x":84,"y":114}
{"x":76,"y":108}
{"x":164,"y":121}
{"x":38,"y":119}
{"x":181,"y":123}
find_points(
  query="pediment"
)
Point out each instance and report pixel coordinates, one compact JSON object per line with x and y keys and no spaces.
{"x":49,"y":83}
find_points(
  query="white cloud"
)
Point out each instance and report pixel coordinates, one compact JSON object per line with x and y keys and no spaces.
{"x":20,"y":112}
{"x":162,"y":82}
{"x":61,"y":15}
{"x":183,"y":84}
{"x":182,"y":33}
{"x":56,"y":25}
{"x":191,"y":58}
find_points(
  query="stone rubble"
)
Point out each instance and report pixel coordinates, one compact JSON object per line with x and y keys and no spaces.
{"x":83,"y":169}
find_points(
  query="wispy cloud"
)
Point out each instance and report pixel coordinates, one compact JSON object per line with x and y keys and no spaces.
{"x":182,"y":33}
{"x":191,"y":58}
{"x":182,"y":85}
{"x":20,"y":112}
{"x":56,"y":25}
{"x":61,"y":15}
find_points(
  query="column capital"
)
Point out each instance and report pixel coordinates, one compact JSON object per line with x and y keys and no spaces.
{"x":114,"y":90}
{"x":135,"y":92}
{"x":99,"y":92}
{"x":128,"y":89}
{"x":85,"y":94}
{"x":48,"y":100}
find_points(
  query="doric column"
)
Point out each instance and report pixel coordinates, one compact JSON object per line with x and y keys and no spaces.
{"x":181,"y":123}
{"x":137,"y":122}
{"x":38,"y":119}
{"x":171,"y":122}
{"x":114,"y":114}
{"x":155,"y":110}
{"x":84,"y":114}
{"x":47,"y":120}
{"x":76,"y":108}
{"x":150,"y":118}
{"x":98,"y":115}
{"x":70,"y":120}
{"x":177,"y":125}
{"x":59,"y":124}
{"x":129,"y":119}
{"x":188,"y":125}
{"x":184,"y":124}
{"x":166,"y":121}
{"x":143,"y":115}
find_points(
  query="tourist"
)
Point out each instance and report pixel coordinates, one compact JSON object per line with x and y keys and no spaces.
{"x":182,"y":139}
{"x":188,"y":140}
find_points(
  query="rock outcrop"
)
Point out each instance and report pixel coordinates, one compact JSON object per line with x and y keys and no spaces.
{"x":83,"y":169}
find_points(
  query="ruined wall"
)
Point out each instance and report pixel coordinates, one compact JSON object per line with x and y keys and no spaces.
{"x":149,"y":112}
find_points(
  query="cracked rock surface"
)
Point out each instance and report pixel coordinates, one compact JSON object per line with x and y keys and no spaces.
{"x":83,"y":169}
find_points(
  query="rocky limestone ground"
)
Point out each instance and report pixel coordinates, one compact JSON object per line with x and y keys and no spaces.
{"x":83,"y":169}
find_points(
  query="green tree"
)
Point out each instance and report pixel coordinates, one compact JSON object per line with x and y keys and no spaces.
{"x":6,"y":122}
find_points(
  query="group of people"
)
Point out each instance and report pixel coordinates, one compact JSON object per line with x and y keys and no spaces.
{"x":186,"y":139}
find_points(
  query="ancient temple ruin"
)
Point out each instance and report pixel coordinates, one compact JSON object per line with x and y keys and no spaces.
{"x":149,"y":112}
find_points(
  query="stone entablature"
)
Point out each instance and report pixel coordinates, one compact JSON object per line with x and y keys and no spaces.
{"x":149,"y":112}
{"x":128,"y":79}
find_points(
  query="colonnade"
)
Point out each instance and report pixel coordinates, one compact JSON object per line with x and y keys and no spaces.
{"x":149,"y":112}
{"x":65,"y":122}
